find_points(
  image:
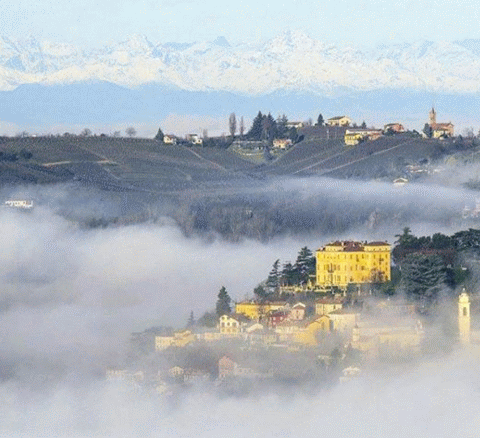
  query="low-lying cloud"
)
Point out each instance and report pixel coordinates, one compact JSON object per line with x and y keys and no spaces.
{"x":71,"y":296}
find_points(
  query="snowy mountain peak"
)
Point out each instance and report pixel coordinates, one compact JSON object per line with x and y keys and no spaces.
{"x":221,"y":41}
{"x":291,"y":61}
{"x":290,"y":40}
{"x":135,"y":44}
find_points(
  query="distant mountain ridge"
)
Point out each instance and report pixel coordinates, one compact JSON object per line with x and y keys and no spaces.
{"x":291,"y":62}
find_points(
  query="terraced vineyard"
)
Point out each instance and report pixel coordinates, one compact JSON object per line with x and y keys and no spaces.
{"x":302,"y":155}
{"x":147,"y":165}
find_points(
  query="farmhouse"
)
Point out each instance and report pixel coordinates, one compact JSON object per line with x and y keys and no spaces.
{"x":393,"y":128}
{"x":169,"y":139}
{"x":355,"y":136}
{"x":296,"y":125}
{"x":339,"y":121}
{"x":194,"y":139}
{"x":282,"y":143}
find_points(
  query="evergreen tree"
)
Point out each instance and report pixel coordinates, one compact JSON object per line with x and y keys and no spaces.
{"x":260,"y":293}
{"x":159,"y":135}
{"x":273,"y":280}
{"x":304,"y":265}
{"x":404,"y":242}
{"x":468,"y":240}
{"x":320,"y":120}
{"x":223,"y":302}
{"x":406,"y":239}
{"x":427,"y":130}
{"x":281,"y":123}
{"x":191,"y":320}
{"x":293,"y":134}
{"x":440,"y":241}
{"x":288,"y":275}
{"x":423,"y":276}
{"x":255,"y":132}
{"x":363,"y":125}
{"x":268,"y":127}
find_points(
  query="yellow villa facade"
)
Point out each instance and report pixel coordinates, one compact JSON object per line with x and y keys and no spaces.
{"x":341,"y":263}
{"x":255,"y":310}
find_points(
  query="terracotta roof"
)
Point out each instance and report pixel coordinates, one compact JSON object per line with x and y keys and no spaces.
{"x":351,"y":245}
{"x":441,"y":125}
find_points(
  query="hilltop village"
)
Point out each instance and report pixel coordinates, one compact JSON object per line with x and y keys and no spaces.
{"x":281,"y":134}
{"x":328,"y":318}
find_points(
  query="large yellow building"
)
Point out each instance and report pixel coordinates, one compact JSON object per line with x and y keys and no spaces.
{"x":341,"y":263}
{"x":255,"y":310}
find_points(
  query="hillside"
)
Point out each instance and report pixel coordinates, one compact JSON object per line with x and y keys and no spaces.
{"x":147,"y":165}
{"x":119,"y":181}
{"x":117,"y":163}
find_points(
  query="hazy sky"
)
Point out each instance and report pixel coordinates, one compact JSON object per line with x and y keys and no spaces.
{"x":93,"y":22}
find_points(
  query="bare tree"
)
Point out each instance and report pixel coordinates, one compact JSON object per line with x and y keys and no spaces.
{"x":86,"y":133}
{"x":242,"y":127}
{"x":131,"y":132}
{"x":468,"y":132}
{"x":116,"y":134}
{"x":232,"y":124}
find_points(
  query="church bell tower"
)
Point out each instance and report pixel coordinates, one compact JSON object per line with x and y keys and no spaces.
{"x":432,"y":117}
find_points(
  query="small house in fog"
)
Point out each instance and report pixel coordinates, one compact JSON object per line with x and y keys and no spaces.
{"x":233,"y":324}
{"x":298,"y":312}
{"x":349,"y":374}
{"x":19,"y":203}
{"x":399,"y":182}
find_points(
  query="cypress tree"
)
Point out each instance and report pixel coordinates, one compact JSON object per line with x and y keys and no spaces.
{"x":223,"y":303}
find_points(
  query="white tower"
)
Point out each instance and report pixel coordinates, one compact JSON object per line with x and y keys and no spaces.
{"x":464,"y":317}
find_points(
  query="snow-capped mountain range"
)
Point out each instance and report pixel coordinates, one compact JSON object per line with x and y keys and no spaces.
{"x":291,"y":62}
